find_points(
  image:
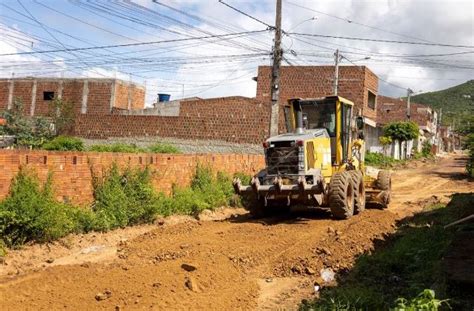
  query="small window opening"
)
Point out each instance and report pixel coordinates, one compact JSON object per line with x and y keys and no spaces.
{"x":48,"y":95}
{"x":371,"y":100}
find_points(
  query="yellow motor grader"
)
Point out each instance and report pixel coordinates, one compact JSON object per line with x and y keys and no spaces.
{"x":318,"y":163}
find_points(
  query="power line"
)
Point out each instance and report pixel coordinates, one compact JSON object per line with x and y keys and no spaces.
{"x":136,"y":44}
{"x":380,"y":40}
{"x":350,"y":21}
{"x":248,"y":15}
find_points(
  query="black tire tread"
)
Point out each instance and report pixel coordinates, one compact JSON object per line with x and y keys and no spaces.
{"x":337,"y":195}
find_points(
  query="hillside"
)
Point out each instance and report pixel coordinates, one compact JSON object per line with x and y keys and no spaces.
{"x":457,"y":102}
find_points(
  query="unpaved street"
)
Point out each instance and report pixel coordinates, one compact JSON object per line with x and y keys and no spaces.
{"x":237,"y":263}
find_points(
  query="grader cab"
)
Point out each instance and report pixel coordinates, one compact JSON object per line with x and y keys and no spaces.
{"x":319,"y":162}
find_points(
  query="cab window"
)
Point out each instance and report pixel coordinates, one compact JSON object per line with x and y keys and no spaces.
{"x":321,"y":115}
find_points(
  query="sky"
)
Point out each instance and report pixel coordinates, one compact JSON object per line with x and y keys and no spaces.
{"x":204,"y":48}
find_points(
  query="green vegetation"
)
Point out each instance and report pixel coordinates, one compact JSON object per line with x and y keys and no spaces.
{"x":29,"y":132}
{"x":30,"y":212}
{"x":379,"y":160}
{"x":407,"y":264}
{"x":401,"y":131}
{"x":121,"y":198}
{"x":163,"y":148}
{"x":117,"y":147}
{"x":64,"y":143}
{"x":132,"y":148}
{"x":469,"y":144}
{"x":457,"y":102}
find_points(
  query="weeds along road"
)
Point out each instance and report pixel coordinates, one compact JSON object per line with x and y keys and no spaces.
{"x":237,"y":263}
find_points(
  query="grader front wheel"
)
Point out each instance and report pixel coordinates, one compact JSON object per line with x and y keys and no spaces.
{"x":341,"y":196}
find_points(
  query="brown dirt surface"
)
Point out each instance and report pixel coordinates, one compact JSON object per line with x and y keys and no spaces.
{"x":211,"y":264}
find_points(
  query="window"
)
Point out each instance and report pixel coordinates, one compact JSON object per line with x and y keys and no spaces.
{"x":371,"y":100}
{"x":321,"y":115}
{"x":48,"y":95}
{"x":346,"y":127}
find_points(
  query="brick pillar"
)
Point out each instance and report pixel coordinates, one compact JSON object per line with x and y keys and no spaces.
{"x":85,"y":93}
{"x":33,"y":98}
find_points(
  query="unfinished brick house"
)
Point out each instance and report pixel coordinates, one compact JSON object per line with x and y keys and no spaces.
{"x":356,"y":83}
{"x":90,"y":96}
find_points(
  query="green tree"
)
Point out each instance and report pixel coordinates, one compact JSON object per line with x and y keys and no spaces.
{"x":402,"y":132}
{"x":29,"y":132}
{"x":385,"y":141}
{"x":61,"y":113}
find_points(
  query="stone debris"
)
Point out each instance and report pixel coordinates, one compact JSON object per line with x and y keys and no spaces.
{"x":188,"y":267}
{"x":192,"y":284}
{"x":103,"y":296}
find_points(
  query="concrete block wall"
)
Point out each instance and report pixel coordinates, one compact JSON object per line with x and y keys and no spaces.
{"x":73,"y":171}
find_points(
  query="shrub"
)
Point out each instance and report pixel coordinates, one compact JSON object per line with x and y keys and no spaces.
{"x":163,"y":148}
{"x":29,"y":132}
{"x":123,"y":199}
{"x":30,"y":213}
{"x":64,"y":143}
{"x":117,"y":147}
{"x":379,"y":160}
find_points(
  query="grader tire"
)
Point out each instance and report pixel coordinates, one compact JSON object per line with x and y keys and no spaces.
{"x":384,"y":182}
{"x":341,"y":196}
{"x":359,"y":191}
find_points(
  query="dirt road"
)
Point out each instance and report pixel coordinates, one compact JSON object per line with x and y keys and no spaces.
{"x":237,"y":263}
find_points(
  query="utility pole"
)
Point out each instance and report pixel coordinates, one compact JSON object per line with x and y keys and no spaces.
{"x":337,"y":59}
{"x":409,"y":92}
{"x":275,"y":84}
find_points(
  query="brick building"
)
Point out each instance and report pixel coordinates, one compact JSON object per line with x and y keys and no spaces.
{"x":395,"y":109}
{"x":356,"y":83}
{"x":90,"y":96}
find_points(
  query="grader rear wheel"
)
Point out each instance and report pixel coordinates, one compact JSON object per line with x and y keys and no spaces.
{"x":341,"y":196}
{"x":359,"y":191}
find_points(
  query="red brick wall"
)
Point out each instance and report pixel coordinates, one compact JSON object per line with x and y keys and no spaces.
{"x":122,"y":91}
{"x":22,"y":91}
{"x":72,"y":172}
{"x":317,"y":81}
{"x":72,"y":92}
{"x":233,"y":119}
{"x":42,"y":106}
{"x":98,"y":99}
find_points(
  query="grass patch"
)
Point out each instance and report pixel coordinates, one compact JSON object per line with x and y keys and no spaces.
{"x":64,"y":143}
{"x":117,"y":147}
{"x":405,"y":266}
{"x":132,"y":148}
{"x":163,"y":148}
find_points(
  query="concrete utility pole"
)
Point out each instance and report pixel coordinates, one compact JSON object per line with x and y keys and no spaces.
{"x":409,"y":92}
{"x":275,"y":84}
{"x":337,"y":59}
